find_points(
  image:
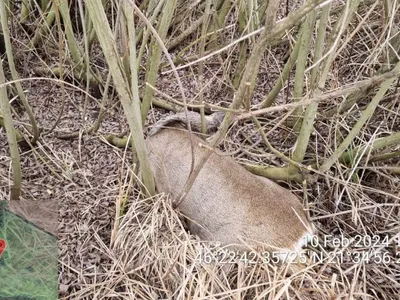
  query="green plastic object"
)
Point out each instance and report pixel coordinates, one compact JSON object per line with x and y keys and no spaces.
{"x":28,"y":259}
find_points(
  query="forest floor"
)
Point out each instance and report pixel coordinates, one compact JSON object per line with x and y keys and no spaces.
{"x":71,"y":187}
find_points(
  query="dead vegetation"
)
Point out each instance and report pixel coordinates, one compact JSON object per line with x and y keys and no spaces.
{"x":150,"y":254}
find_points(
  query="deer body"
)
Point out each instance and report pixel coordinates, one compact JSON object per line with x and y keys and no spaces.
{"x":227,"y":202}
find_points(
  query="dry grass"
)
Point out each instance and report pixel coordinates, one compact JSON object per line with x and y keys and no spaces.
{"x":153,"y":256}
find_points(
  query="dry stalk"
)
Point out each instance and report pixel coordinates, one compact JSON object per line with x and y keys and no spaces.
{"x":129,"y":98}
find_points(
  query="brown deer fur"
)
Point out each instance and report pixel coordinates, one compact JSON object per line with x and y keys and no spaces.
{"x":226,"y":201}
